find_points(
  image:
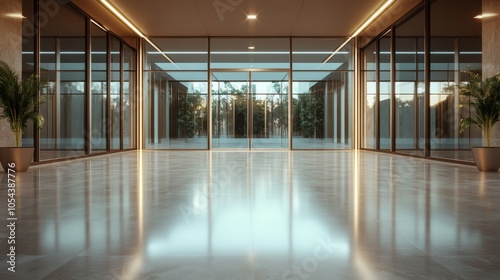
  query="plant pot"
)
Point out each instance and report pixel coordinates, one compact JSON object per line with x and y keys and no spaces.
{"x":20,"y":156}
{"x":487,"y":158}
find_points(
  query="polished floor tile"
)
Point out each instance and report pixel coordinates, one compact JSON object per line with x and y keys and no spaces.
{"x":253,"y":215}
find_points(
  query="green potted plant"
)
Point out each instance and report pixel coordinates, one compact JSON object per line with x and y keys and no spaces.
{"x":483,"y":95}
{"x":19,"y":100}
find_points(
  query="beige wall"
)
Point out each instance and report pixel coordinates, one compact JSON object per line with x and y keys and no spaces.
{"x":10,"y":52}
{"x":491,"y":46}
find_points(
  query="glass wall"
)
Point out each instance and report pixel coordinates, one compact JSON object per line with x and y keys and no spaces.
{"x":80,"y":118}
{"x":99,"y":47}
{"x":371,"y":96}
{"x":322,"y":93}
{"x":250,"y":109}
{"x":250,"y":53}
{"x":409,"y":85}
{"x":455,"y":46}
{"x":176,"y":94}
{"x":115,"y":93}
{"x":62,"y":65}
{"x":385,"y":91}
{"x":251,"y":83}
{"x":28,"y":59}
{"x":129,"y":100}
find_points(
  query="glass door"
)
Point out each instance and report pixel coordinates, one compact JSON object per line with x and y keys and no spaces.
{"x":269,"y":110}
{"x":230,"y":91}
{"x":250,"y":109}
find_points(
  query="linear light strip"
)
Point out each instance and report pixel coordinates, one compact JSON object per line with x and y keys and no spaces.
{"x":338,"y":49}
{"x":99,"y":25}
{"x":160,"y":51}
{"x":373,"y":17}
{"x":130,"y":25}
{"x":360,"y":29}
{"x":120,"y":16}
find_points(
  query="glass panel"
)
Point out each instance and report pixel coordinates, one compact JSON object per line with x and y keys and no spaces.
{"x":269,"y":109}
{"x":230,"y":109}
{"x":312,"y":54}
{"x":62,"y":66}
{"x":28,"y":60}
{"x":409,"y":53}
{"x":370,"y":89}
{"x":176,"y":94}
{"x":321,"y":111}
{"x":456,"y":45}
{"x":235,"y":53}
{"x":185,"y":54}
{"x":322,"y":93}
{"x":128,"y":98}
{"x":115,"y":90}
{"x":99,"y":89}
{"x":385,"y":92}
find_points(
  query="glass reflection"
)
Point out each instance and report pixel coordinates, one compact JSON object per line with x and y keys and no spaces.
{"x":371,"y":97}
{"x":176,"y":94}
{"x":115,"y":93}
{"x":322,"y":94}
{"x":129,"y":87}
{"x":99,"y":89}
{"x":384,"y":66}
{"x":230,"y":110}
{"x":62,"y":65}
{"x":455,"y":46}
{"x":253,"y":206}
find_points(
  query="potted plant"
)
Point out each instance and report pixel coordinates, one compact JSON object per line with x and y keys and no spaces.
{"x":19,"y":101}
{"x":484,"y":97}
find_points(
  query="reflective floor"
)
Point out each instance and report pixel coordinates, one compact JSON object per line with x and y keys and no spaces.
{"x":253,"y":215}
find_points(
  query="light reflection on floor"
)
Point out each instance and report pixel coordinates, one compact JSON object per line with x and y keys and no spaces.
{"x":255,"y":215}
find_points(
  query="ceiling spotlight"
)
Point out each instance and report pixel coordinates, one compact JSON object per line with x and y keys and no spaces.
{"x":486,"y":15}
{"x":252,"y":17}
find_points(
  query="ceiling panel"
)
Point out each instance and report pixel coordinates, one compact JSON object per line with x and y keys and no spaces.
{"x":164,"y":17}
{"x":274,"y":18}
{"x":228,"y":17}
{"x":333,"y":17}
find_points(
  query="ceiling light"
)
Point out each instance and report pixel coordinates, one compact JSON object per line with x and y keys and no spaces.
{"x":486,"y":15}
{"x":251,"y":48}
{"x":15,"y":15}
{"x":160,"y":51}
{"x":373,"y":17}
{"x":130,"y":25}
{"x":363,"y":26}
{"x":122,"y":18}
{"x":99,"y":25}
{"x":252,"y":17}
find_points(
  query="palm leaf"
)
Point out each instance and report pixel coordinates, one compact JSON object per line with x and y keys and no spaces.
{"x":19,"y":100}
{"x":483,"y":96}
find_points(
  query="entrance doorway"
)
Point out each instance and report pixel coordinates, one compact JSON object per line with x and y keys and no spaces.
{"x":250,"y":109}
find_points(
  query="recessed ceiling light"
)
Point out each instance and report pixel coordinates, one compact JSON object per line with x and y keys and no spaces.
{"x":252,"y":17}
{"x":486,"y":15}
{"x":251,"y":48}
{"x":15,"y":15}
